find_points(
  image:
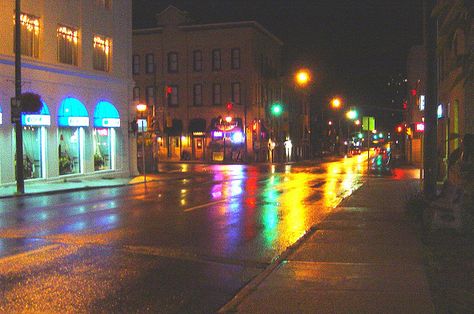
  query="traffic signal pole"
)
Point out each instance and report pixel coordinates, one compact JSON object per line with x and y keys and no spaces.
{"x":16,"y":105}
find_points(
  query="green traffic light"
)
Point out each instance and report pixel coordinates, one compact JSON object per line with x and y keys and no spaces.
{"x":276,"y":109}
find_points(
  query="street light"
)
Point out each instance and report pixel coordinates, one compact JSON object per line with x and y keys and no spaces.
{"x":351,"y":114}
{"x":336,"y":103}
{"x":303,"y":77}
{"x":141,"y":108}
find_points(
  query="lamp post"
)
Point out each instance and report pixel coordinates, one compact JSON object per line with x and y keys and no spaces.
{"x":141,"y":108}
{"x":302,"y":79}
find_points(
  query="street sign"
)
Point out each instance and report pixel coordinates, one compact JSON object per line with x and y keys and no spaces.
{"x":368,"y":123}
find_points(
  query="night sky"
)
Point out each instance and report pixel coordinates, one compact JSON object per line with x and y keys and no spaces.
{"x":353,"y":47}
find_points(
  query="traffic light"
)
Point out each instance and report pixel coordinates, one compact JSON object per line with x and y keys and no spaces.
{"x":229,"y":106}
{"x":399,"y":129}
{"x":276,"y":109}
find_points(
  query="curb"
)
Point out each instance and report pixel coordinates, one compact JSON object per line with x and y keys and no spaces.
{"x":85,"y":188}
{"x":246,"y":290}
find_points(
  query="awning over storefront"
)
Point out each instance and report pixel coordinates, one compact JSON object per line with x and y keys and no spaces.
{"x":197,"y":127}
{"x":73,"y":113}
{"x":106,"y":115}
{"x":37,"y":119}
{"x":176,"y":128}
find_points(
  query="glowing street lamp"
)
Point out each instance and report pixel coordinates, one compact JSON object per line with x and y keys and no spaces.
{"x":303,"y":77}
{"x":351,"y":115}
{"x":336,"y":103}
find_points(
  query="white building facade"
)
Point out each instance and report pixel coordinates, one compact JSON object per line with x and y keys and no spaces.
{"x":77,"y":56}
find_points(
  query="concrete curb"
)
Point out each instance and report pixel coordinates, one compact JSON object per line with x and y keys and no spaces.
{"x":86,"y":188}
{"x":246,"y":290}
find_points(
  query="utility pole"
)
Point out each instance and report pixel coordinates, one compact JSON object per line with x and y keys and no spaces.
{"x":429,"y":145}
{"x":16,"y":105}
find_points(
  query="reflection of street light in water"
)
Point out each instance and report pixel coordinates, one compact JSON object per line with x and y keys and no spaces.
{"x":141,"y":108}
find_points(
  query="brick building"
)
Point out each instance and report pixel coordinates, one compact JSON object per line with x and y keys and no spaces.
{"x":208,"y":88}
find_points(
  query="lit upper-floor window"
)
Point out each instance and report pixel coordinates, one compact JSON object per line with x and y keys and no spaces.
{"x":102,"y":53}
{"x":67,"y":44}
{"x":30,"y":28}
{"x":107,"y":4}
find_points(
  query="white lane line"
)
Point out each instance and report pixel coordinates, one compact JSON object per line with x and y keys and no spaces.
{"x":204,"y":205}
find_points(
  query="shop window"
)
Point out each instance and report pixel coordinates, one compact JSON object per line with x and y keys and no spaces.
{"x":136,"y":64}
{"x":29,"y":35}
{"x":216,"y":59}
{"x":104,"y":139}
{"x":32,"y":152}
{"x":235,"y":58}
{"x":69,"y":150}
{"x":102,"y":53}
{"x":197,"y":60}
{"x":67,"y":45}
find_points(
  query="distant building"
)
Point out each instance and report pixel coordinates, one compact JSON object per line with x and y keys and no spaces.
{"x":209,"y":88}
{"x":415,"y":104}
{"x":77,"y":56}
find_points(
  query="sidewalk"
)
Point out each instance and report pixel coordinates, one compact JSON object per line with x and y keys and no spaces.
{"x":364,"y":258}
{"x":75,"y":184}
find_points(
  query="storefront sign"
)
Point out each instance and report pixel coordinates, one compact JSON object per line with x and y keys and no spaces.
{"x":1,"y":118}
{"x":103,"y":132}
{"x":217,"y":134}
{"x":422,"y":102}
{"x":199,"y":133}
{"x":111,"y":122}
{"x":420,"y":127}
{"x":35,"y":120}
{"x":77,"y":121}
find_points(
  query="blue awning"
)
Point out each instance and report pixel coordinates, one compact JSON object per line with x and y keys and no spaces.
{"x":37,"y":119}
{"x":106,"y":115}
{"x":73,"y":113}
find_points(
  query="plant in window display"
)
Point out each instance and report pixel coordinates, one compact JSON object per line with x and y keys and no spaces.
{"x":65,"y":164}
{"x":99,"y":161}
{"x":28,"y":167}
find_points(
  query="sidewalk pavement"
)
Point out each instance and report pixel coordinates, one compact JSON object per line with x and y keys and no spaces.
{"x":79,"y":183}
{"x":364,"y":258}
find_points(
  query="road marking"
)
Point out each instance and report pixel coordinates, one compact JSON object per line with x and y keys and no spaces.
{"x":204,"y":205}
{"x":10,"y":258}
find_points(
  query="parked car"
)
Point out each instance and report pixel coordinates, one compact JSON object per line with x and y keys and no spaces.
{"x":355,"y":151}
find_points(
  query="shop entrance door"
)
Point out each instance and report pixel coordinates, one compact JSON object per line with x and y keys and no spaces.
{"x":198,"y":148}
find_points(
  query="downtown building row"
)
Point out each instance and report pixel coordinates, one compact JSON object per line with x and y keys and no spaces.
{"x":209,"y":90}
{"x":455,"y":99}
{"x":76,"y":55}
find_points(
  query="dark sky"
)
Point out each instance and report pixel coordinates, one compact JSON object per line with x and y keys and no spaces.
{"x":352,"y":46}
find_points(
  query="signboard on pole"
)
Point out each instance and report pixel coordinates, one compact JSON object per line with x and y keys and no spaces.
{"x":368,"y":123}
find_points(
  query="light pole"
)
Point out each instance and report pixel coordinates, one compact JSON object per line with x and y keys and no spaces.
{"x":302,"y":79}
{"x":141,"y":108}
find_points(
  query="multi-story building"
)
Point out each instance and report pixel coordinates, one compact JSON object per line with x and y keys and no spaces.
{"x":76,"y":55}
{"x":415,"y":104}
{"x":208,"y":87}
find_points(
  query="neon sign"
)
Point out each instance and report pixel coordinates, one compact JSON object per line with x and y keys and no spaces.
{"x":420,"y":127}
{"x":35,"y":120}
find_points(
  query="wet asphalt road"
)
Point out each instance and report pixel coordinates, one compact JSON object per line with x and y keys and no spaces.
{"x":185,"y":245}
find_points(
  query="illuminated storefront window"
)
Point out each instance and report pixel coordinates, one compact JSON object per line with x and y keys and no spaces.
{"x":106,"y":119}
{"x":72,"y":118}
{"x":34,"y":143}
